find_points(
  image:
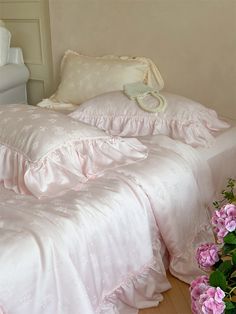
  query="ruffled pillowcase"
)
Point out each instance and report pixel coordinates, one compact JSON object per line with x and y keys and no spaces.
{"x":46,"y":153}
{"x":183,"y":119}
{"x":83,"y":77}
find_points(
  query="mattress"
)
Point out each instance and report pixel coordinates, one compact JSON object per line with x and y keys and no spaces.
{"x":221,"y":157}
{"x":101,"y":250}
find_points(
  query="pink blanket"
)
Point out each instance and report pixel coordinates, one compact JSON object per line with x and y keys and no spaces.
{"x":103,"y":249}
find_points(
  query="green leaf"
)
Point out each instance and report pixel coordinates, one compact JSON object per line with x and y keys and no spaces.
{"x":229,"y":305}
{"x":230,"y":238}
{"x":229,"y":195}
{"x":217,"y":279}
{"x":234,"y":258}
{"x":233,"y":275}
{"x":232,"y":311}
{"x":227,"y":248}
{"x":225,"y":267}
{"x":231,"y":183}
{"x":216,"y":204}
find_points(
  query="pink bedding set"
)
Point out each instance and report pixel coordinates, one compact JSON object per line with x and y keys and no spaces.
{"x":104,"y":248}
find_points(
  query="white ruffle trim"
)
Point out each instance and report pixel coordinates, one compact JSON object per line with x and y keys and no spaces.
{"x":68,"y":166}
{"x":193,"y":129}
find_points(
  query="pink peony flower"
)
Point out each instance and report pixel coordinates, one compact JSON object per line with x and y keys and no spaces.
{"x":207,"y":255}
{"x":197,"y":288}
{"x":199,"y":280}
{"x":230,"y":224}
{"x":211,"y":301}
{"x":206,"y":299}
{"x":230,"y":210}
{"x":224,"y":221}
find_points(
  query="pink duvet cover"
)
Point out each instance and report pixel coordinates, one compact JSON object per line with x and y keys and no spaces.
{"x":102,"y":249}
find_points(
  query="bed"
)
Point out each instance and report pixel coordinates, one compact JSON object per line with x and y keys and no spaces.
{"x":105,"y":247}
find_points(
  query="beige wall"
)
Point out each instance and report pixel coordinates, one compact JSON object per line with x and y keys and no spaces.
{"x":192,"y":41}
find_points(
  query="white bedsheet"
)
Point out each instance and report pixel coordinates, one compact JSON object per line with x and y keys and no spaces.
{"x":101,"y":250}
{"x":221,"y":158}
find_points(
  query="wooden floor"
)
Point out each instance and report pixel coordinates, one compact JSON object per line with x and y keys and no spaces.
{"x":176,"y":300}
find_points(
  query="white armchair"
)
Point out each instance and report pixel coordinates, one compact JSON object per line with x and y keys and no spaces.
{"x":13,"y":78}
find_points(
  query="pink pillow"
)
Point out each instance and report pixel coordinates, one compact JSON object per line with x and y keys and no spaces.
{"x":183,"y":119}
{"x":45,"y":153}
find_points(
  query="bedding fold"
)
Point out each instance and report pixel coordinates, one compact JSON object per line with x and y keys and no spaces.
{"x":74,"y":163}
{"x":180,"y":191}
